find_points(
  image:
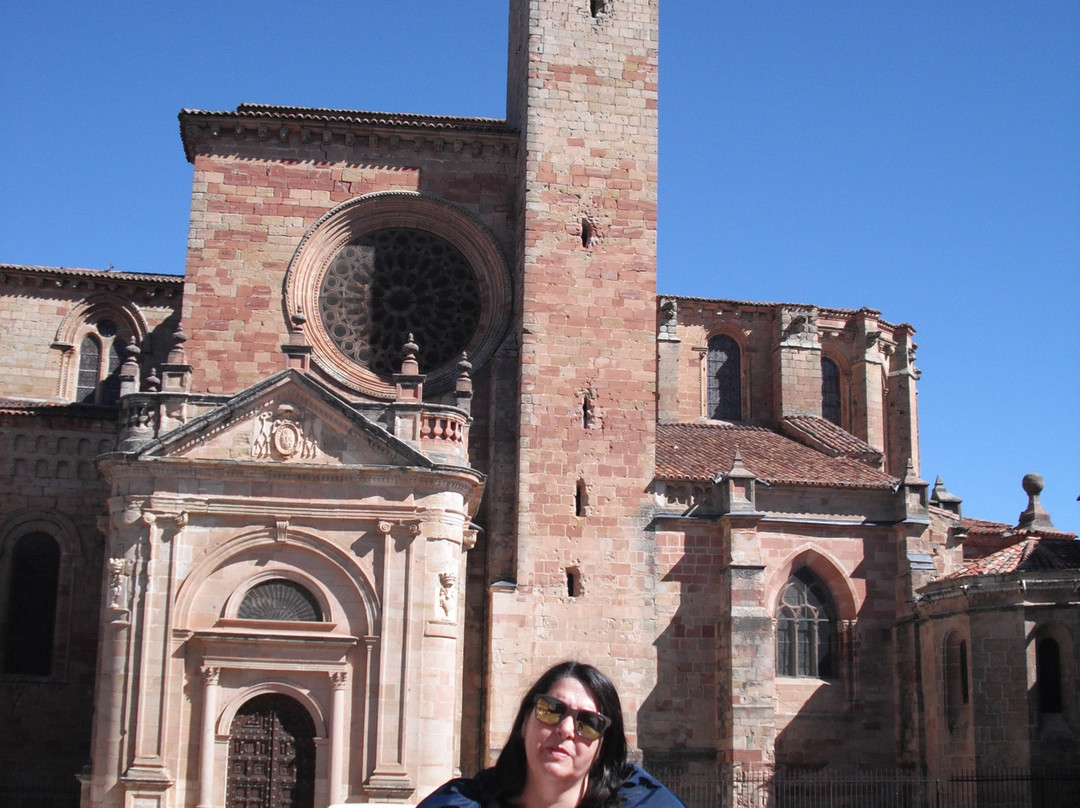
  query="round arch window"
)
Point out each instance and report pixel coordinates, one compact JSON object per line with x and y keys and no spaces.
{"x":279,"y":599}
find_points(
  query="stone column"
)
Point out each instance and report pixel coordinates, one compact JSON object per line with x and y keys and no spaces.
{"x":339,"y":681}
{"x":148,"y":776}
{"x":207,"y":735}
{"x":391,"y":781}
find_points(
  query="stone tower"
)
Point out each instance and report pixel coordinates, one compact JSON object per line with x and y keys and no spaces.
{"x":582,"y":92}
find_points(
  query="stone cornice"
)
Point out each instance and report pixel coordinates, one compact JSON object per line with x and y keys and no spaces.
{"x":459,"y":479}
{"x":367,"y":130}
{"x":142,"y":288}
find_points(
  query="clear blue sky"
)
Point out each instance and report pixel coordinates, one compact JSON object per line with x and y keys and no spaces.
{"x":921,"y":158}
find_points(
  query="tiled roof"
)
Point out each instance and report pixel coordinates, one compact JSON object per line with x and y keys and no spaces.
{"x":827,"y":310}
{"x":982,"y":526}
{"x":300,"y":115}
{"x":1034,"y":554}
{"x":825,"y":436}
{"x":703,"y":451}
{"x":99,"y":275}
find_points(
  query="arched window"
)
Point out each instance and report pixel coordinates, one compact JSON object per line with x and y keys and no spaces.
{"x":99,"y":365}
{"x":830,"y":392}
{"x":279,"y":599}
{"x":724,"y":371}
{"x":31,"y":605}
{"x":956,"y":679}
{"x":804,"y":628}
{"x":1048,"y":675}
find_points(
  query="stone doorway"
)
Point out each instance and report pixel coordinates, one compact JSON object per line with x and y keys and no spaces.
{"x":271,"y":755}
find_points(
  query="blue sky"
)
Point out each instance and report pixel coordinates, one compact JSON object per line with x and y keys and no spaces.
{"x":920,"y":158}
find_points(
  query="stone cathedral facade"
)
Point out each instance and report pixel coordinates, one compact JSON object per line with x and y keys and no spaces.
{"x":299,"y":527}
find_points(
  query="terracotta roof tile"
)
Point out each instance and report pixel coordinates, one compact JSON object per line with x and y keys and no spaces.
{"x":702,"y":451}
{"x":1034,"y":554}
{"x":825,"y":436}
{"x":982,"y":526}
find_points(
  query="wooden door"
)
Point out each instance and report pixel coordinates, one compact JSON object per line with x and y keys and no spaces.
{"x":271,"y":755}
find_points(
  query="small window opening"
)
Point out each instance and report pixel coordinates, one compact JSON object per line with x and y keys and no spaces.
{"x":956,"y":681}
{"x":1048,"y":676}
{"x":596,"y":7}
{"x":586,"y":228}
{"x":573,"y":582}
{"x":964,"y":698}
{"x":581,"y":499}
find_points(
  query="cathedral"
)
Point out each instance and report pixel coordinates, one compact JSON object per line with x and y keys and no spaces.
{"x":299,"y":527}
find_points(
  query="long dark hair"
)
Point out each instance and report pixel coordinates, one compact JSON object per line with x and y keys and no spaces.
{"x":608,"y":770}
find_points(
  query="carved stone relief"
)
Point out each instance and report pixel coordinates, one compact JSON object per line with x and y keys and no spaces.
{"x":283,"y":435}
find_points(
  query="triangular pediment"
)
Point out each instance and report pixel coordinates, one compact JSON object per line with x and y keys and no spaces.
{"x":288,"y":418}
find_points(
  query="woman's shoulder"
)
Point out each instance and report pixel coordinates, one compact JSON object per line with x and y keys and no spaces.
{"x":463,"y":792}
{"x":641,"y":790}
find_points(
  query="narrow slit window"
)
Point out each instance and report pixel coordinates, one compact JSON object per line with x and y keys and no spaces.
{"x":830,"y":392}
{"x":573,"y":582}
{"x":581,"y":499}
{"x":586,"y":229}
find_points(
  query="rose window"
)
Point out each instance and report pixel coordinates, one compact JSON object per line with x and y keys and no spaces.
{"x":393,"y":282}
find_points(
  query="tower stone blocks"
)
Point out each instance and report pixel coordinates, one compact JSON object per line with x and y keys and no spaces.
{"x":583,"y":92}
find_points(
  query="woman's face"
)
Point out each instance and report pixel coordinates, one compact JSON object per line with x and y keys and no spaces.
{"x":556,"y":754}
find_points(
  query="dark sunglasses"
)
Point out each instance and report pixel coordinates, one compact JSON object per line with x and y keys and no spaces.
{"x":587,"y":724}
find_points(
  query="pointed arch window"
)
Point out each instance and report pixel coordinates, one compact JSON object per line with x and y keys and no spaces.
{"x":805,"y":628}
{"x":31,"y":605}
{"x":830,"y":392}
{"x":724,"y":371}
{"x":99,"y":365}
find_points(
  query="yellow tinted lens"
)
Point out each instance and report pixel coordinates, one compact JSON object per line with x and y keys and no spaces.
{"x":549,"y":712}
{"x":588,"y":726}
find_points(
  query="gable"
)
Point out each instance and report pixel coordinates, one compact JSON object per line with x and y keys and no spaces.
{"x":288,"y":418}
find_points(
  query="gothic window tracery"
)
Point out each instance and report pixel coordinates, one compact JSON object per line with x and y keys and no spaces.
{"x":805,"y":628}
{"x":393,"y":282}
{"x":724,"y":379}
{"x":98,"y":379}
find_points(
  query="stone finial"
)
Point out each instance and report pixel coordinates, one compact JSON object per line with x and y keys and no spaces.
{"x":941,"y":498}
{"x":152,"y":383}
{"x":176,"y":354}
{"x":130,"y":381}
{"x":738,"y":487}
{"x":1034,"y":517}
{"x":409,"y":365}
{"x":463,"y":389}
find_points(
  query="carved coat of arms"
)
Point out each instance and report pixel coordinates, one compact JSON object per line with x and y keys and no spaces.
{"x":282,"y":434}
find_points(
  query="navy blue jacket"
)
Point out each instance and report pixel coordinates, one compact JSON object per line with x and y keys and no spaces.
{"x":639,"y":790}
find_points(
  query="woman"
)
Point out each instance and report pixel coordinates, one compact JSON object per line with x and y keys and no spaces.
{"x":566,"y":749}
